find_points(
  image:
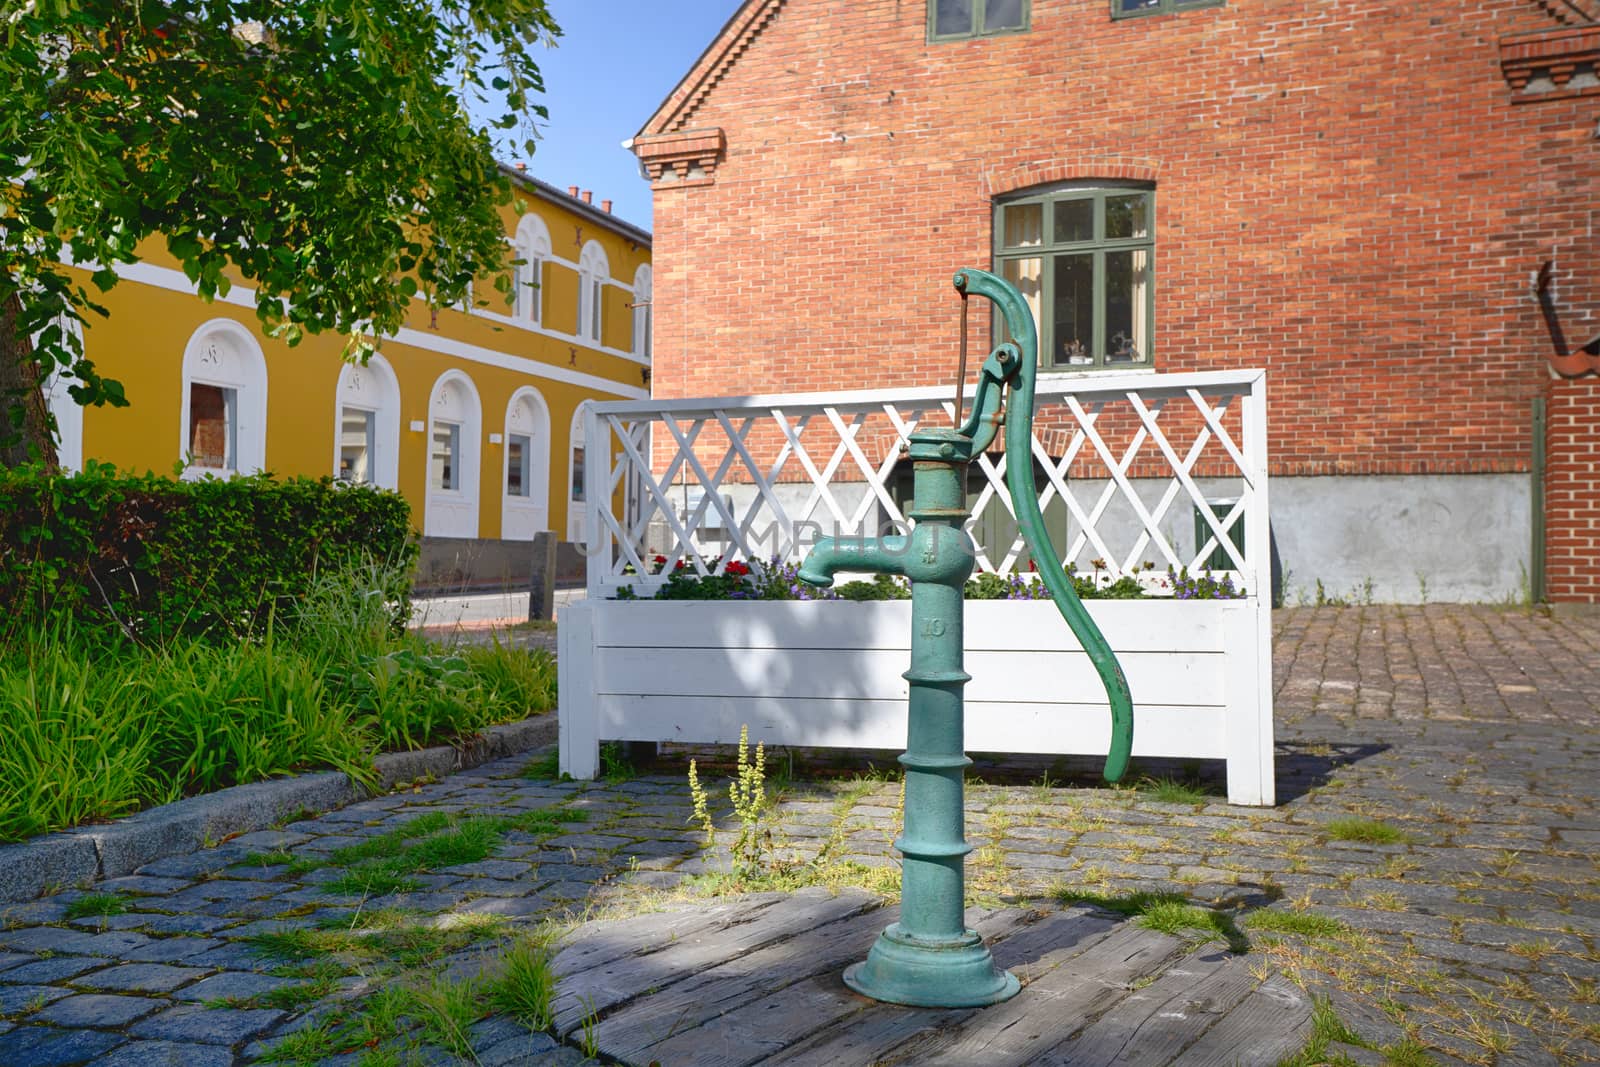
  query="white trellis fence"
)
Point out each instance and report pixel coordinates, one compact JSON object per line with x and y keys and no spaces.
{"x":1137,"y":474}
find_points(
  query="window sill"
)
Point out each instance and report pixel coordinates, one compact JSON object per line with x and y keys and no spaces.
{"x":1097,"y":372}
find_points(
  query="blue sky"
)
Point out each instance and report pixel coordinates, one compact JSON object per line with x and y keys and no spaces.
{"x":616,"y":61}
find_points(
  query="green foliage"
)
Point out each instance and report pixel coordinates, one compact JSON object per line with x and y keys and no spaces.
{"x":1175,"y":791}
{"x":286,"y":140}
{"x":97,"y":725}
{"x":153,"y":557}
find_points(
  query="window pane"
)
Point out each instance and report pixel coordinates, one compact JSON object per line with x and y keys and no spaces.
{"x":596,"y":308}
{"x":1026,"y":275}
{"x":577,"y":473}
{"x":1002,"y":15}
{"x":213,"y":426}
{"x":1074,"y":220}
{"x":356,"y":434}
{"x":951,"y":17}
{"x":1129,"y":6}
{"x":517,"y":449}
{"x":444,"y":458}
{"x":1024,"y":226}
{"x":1127,"y":297}
{"x":1074,"y":309}
{"x":1127,"y":216}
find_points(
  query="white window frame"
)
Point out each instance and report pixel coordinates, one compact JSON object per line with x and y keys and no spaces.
{"x":453,"y":512}
{"x":532,"y":246}
{"x":523,"y":516}
{"x":643,"y":318}
{"x":594,"y":270}
{"x":225,"y":354}
{"x":372,"y":388}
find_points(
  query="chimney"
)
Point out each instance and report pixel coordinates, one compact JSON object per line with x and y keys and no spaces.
{"x":587,"y":196}
{"x":522,"y":168}
{"x":572,"y":190}
{"x":605,"y":205}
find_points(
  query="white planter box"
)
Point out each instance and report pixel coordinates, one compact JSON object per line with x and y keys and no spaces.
{"x":827,"y":674}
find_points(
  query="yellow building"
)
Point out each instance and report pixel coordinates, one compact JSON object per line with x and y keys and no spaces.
{"x":473,"y":415}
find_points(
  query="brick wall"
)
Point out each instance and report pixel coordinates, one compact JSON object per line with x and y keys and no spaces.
{"x":1572,"y":492}
{"x":1345,"y":194}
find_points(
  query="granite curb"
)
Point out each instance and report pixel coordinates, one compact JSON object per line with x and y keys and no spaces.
{"x":33,"y":868}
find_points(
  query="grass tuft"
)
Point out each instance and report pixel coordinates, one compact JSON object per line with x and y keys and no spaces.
{"x":1169,"y":913}
{"x":101,"y":904}
{"x":1364,"y":831}
{"x":526,"y":988}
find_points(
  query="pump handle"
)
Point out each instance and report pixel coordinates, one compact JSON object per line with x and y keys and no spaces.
{"x":1022,"y":373}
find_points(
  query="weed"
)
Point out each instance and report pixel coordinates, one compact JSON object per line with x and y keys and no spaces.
{"x":1166,"y":912}
{"x":614,"y":767}
{"x":526,"y":986}
{"x":1326,"y":1029}
{"x":1174,"y":791}
{"x":101,"y":904}
{"x":546,"y":768}
{"x":1364,"y":831}
{"x":1303,"y":924}
{"x":748,"y":794}
{"x":591,"y":1022}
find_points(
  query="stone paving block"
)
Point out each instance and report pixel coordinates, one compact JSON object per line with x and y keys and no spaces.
{"x":231,"y":985}
{"x":141,"y":978}
{"x":54,"y":969}
{"x":210,"y":1026}
{"x":230,"y":957}
{"x":515,"y":1050}
{"x":166,"y":1054}
{"x":36,"y":1046}
{"x":9,"y":960}
{"x":143,"y":885}
{"x":494,"y":868}
{"x":17,"y":999}
{"x":269,"y":840}
{"x":157,"y":923}
{"x":102,"y":1010}
{"x":188,"y":867}
{"x":170,"y":950}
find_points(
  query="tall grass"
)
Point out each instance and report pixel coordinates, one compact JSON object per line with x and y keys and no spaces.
{"x":92,"y":728}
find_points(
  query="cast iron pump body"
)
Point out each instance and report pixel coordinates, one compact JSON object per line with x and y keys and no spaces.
{"x":930,"y":958}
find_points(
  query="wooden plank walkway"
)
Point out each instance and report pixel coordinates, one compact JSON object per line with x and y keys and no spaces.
{"x":757,"y":980}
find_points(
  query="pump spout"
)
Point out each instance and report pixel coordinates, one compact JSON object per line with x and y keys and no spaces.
{"x":830,"y":555}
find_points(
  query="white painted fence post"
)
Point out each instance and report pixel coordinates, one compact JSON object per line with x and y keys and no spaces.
{"x":579,"y":714}
{"x":1249,"y":713}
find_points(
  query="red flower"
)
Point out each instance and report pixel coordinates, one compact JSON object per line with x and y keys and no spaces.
{"x":737,"y":569}
{"x":659,"y":560}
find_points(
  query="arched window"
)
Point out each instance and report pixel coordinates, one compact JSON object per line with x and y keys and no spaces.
{"x":593,"y":270}
{"x":366,"y":424}
{"x":1083,"y":256}
{"x":533,"y":247}
{"x":455,"y":426}
{"x":223,"y":428}
{"x":643,"y":318}
{"x":525,"y":500}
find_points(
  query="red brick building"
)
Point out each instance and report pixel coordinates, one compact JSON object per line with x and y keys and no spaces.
{"x":1357,"y":195}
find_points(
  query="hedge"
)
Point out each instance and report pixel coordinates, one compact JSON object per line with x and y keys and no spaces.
{"x":154,"y":557}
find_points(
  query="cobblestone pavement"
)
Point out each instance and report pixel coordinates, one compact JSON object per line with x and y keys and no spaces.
{"x":1438,"y":773}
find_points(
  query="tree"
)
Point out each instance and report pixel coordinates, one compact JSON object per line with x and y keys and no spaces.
{"x":319,"y":147}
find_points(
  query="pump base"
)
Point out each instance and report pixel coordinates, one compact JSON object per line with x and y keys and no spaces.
{"x":958,"y":973}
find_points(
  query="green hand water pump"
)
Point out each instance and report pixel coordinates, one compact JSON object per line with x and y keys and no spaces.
{"x":930,"y":958}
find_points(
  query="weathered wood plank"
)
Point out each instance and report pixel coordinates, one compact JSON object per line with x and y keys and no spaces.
{"x":1271,"y":1023}
{"x":1056,"y":1004}
{"x":599,"y":989}
{"x":868,"y":1032}
{"x":638,"y":1032}
{"x":1154,"y":1024}
{"x":601,"y":942}
{"x":767,"y":1027}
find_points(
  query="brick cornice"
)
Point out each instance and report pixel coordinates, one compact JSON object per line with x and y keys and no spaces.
{"x":1009,"y":178}
{"x":742,"y":29}
{"x":1552,"y":64}
{"x":682,"y":158}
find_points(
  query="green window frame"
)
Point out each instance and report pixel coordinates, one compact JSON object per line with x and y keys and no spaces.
{"x":1132,"y":9}
{"x":962,"y":20}
{"x":1084,"y":259}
